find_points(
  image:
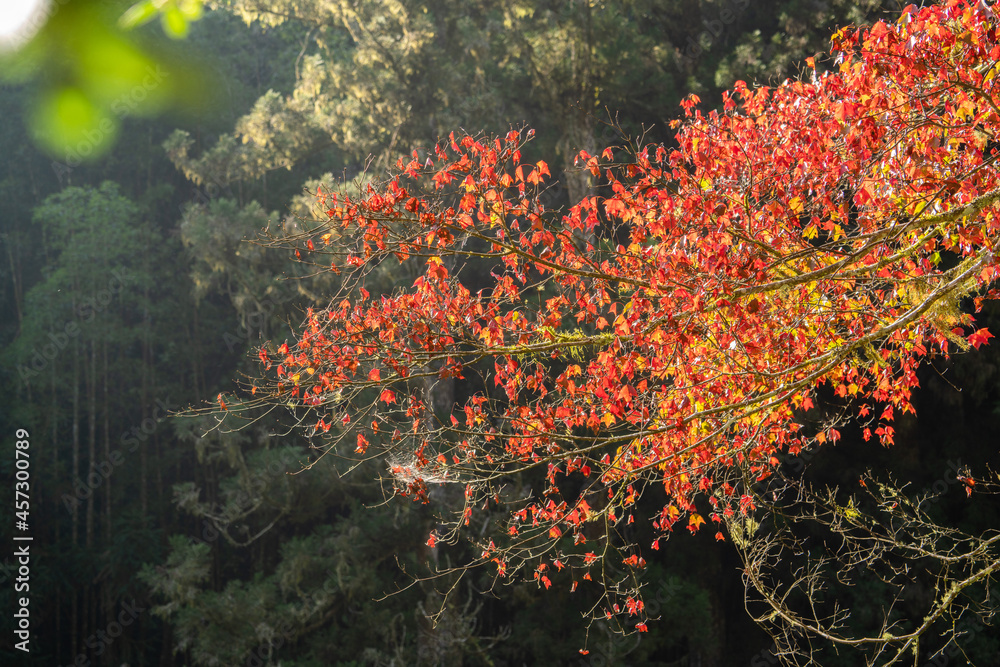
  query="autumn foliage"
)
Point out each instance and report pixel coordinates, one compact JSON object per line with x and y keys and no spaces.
{"x":672,"y":332}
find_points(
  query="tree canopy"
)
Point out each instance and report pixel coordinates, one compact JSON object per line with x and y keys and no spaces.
{"x":668,"y":335}
{"x":721,"y":327}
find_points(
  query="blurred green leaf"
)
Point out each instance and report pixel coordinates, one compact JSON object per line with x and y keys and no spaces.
{"x":175,"y":24}
{"x":175,"y":15}
{"x":192,"y":9}
{"x":138,"y":14}
{"x":112,"y":69}
{"x":91,"y":75}
{"x":66,"y":120}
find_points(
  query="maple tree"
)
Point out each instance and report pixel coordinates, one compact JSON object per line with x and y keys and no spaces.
{"x":667,"y":336}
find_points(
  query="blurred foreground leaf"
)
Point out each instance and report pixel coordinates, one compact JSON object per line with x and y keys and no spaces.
{"x":91,"y":75}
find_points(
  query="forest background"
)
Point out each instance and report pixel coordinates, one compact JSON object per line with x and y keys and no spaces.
{"x":129,"y":293}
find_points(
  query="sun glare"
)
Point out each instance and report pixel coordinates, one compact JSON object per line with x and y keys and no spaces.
{"x":20,"y":20}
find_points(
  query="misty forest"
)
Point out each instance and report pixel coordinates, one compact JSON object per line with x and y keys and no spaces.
{"x":499,"y":332}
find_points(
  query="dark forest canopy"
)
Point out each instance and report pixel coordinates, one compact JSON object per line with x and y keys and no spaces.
{"x":130,"y":293}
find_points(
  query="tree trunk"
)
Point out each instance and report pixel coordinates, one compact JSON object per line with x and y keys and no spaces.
{"x":106,"y":588}
{"x":90,"y":595}
{"x":578,"y":130}
{"x":578,"y":134}
{"x":75,"y":514}
{"x":15,"y":274}
{"x":147,"y":365}
{"x":92,"y":440}
{"x":107,"y":447}
{"x":54,"y":414}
